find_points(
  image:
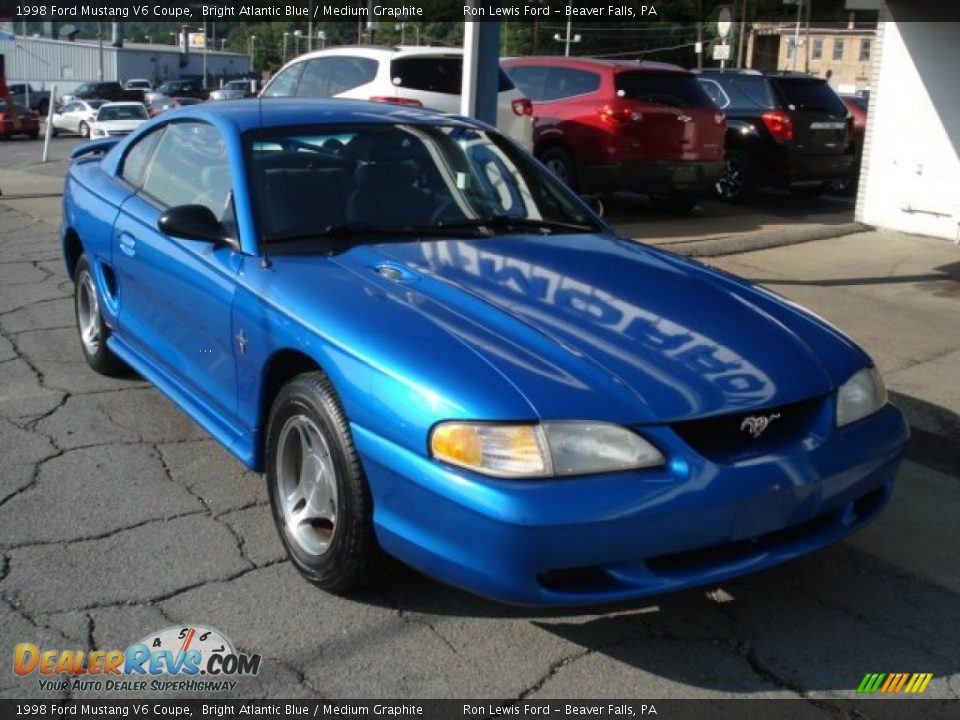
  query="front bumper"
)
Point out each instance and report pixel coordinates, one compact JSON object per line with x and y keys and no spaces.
{"x":653,"y":177}
{"x":605,"y":538}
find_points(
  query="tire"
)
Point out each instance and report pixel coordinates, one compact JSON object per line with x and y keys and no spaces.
{"x":325,"y":522}
{"x":83,"y":129}
{"x":808,"y":191}
{"x":561,"y":164}
{"x":92,"y":330}
{"x":739,"y":182}
{"x":679,"y":203}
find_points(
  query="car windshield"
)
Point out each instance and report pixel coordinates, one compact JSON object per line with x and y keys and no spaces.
{"x":810,"y":95}
{"x":121,"y":112}
{"x":346,"y":185}
{"x":671,"y":89}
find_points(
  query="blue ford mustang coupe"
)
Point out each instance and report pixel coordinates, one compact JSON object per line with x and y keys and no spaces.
{"x":437,"y":353}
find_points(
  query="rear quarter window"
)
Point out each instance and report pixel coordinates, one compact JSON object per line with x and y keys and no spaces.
{"x":529,"y":79}
{"x":749,"y":90}
{"x":671,"y":89}
{"x":569,"y":82}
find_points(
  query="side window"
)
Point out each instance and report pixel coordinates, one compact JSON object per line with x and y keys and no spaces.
{"x":190,"y":167}
{"x":285,"y":83}
{"x":328,"y":76}
{"x":716,"y":93}
{"x":138,"y":157}
{"x":569,"y":82}
{"x":529,"y":79}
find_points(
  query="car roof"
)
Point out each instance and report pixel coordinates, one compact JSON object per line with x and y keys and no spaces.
{"x":617,"y":65}
{"x":243,"y":115}
{"x":121,"y":104}
{"x":382,"y":51}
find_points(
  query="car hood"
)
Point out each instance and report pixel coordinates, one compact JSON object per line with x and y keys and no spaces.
{"x":602,"y":328}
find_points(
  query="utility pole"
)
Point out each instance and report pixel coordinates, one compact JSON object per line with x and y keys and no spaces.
{"x":742,"y":42}
{"x":700,"y":33}
{"x":310,"y":29}
{"x":204,"y":54}
{"x":806,"y":56}
{"x":100,"y":46}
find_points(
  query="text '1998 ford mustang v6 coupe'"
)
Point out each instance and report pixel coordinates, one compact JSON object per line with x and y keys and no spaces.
{"x":437,"y":353}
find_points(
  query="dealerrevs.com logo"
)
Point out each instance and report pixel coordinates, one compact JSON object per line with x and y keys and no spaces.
{"x":191,"y":658}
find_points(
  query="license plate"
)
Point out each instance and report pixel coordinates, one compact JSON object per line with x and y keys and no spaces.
{"x":827,"y":126}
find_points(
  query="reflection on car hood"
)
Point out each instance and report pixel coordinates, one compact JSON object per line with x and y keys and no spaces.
{"x":603,"y":328}
{"x":120,"y":124}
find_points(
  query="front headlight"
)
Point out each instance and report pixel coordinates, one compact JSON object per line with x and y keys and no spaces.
{"x":861,"y":395}
{"x":543,"y":450}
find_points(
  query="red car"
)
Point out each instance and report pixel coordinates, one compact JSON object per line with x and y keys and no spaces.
{"x":609,"y":125}
{"x":29,"y":123}
{"x":857,"y":107}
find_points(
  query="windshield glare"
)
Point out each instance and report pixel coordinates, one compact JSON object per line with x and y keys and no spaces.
{"x":308,"y":181}
{"x":121,"y":112}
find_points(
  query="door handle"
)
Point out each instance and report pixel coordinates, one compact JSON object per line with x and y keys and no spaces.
{"x":128,"y":244}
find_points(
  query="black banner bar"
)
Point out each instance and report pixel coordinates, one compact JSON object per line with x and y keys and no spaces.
{"x":873,"y":707}
{"x":393,"y":11}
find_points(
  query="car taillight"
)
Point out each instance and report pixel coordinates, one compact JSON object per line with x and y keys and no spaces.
{"x":619,"y":113}
{"x":397,"y":100}
{"x":521,"y":107}
{"x":719,"y":118}
{"x":779,"y":123}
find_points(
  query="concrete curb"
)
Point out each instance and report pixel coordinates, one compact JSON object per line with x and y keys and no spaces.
{"x":735,"y":244}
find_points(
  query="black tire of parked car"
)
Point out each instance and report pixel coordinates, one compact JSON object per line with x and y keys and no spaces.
{"x":83,"y":129}
{"x":739,"y":181}
{"x":561,"y":164}
{"x":353,"y":558}
{"x":102,"y":360}
{"x":678,"y":203}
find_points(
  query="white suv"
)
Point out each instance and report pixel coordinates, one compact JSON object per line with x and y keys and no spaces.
{"x":428,"y":77}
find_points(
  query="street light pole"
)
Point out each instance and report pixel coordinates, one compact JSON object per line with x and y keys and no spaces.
{"x":204,"y":54}
{"x":310,"y":29}
{"x":100,"y":44}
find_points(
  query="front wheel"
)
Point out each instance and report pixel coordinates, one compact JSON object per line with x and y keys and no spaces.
{"x":83,"y":129}
{"x":93,"y":331}
{"x":321,"y":502}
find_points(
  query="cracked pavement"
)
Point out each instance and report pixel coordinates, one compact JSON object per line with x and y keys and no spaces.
{"x":119,"y":517}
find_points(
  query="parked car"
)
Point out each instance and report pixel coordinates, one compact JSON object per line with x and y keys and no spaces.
{"x":30,"y":97}
{"x":428,"y":77}
{"x":608,"y":125}
{"x":76,"y":117}
{"x":138,"y":84}
{"x":857,"y":107}
{"x":169,"y":103}
{"x":191,"y":87}
{"x":783,"y":129}
{"x":436,"y":351}
{"x":109,"y":91}
{"x":115,"y":119}
{"x":233,"y":90}
{"x":29,"y":123}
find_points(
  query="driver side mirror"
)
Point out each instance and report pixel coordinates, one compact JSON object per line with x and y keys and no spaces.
{"x":193,"y":222}
{"x":593,"y":202}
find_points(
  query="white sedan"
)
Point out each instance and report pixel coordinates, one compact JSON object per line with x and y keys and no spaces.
{"x":76,"y":116}
{"x":119,"y":118}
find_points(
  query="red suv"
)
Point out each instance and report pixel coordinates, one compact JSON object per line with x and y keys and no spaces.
{"x":608,"y":125}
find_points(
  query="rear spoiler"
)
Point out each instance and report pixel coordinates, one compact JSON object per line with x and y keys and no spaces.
{"x":94,"y":147}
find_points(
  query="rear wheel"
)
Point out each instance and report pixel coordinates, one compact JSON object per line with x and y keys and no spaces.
{"x":561,"y":164}
{"x":738,"y":182}
{"x":93,"y":331}
{"x":322,"y":506}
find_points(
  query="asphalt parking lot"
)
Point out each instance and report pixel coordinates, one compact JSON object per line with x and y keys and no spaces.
{"x":119,"y":517}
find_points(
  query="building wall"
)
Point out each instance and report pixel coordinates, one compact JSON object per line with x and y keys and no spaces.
{"x":848,"y":73}
{"x":44,"y":62}
{"x":910,"y":178}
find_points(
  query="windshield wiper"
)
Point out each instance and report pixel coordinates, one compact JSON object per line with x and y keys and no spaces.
{"x":505,"y":222}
